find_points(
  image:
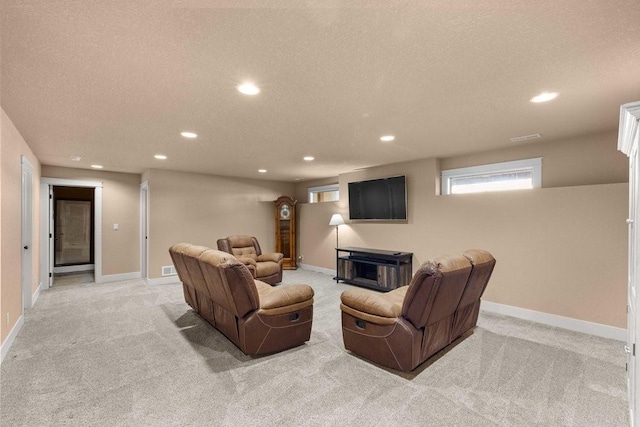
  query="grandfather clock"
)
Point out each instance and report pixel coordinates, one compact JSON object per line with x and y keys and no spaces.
{"x":286,"y":231}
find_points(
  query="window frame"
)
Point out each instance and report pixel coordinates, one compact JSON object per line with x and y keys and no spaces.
{"x":322,"y":189}
{"x":534,"y":165}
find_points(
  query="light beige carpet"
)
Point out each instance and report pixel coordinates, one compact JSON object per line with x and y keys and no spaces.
{"x":128,"y":354}
{"x":73,"y":278}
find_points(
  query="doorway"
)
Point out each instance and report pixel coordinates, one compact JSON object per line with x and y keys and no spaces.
{"x":73,"y":235}
{"x":75,"y":255}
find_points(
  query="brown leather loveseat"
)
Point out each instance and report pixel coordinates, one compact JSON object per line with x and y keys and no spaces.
{"x":256,"y":317}
{"x":266,"y":267}
{"x":403,"y":328}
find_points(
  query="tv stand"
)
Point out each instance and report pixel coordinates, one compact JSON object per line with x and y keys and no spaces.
{"x":373,"y":268}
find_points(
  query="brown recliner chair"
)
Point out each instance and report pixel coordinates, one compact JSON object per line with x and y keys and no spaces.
{"x":256,"y":317}
{"x":266,"y":267}
{"x":403,"y":328}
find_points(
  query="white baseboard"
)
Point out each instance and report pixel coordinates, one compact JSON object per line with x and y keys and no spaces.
{"x":163,"y":280}
{"x":74,"y":268}
{"x":119,"y":277}
{"x":36,"y":294}
{"x":322,"y":270}
{"x":6,"y":345}
{"x":597,"y":329}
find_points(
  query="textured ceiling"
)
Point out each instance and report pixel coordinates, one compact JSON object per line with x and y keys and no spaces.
{"x":116,"y":81}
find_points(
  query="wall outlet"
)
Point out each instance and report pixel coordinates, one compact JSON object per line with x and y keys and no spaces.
{"x":8,"y":319}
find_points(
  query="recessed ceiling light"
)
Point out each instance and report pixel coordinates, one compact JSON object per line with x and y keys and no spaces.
{"x":544,"y":97}
{"x":160,"y":157}
{"x":248,"y":88}
{"x":97,"y":166}
{"x":308,"y":158}
{"x":387,"y":138}
{"x":262,"y":170}
{"x":76,"y":158}
{"x":189,"y":134}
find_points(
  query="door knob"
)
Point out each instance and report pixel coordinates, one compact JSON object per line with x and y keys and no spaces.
{"x":26,"y":247}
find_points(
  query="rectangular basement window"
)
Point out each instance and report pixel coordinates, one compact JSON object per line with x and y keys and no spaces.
{"x":515,"y":175}
{"x":325,"y":193}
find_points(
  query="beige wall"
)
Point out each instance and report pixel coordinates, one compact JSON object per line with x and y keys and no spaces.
{"x":199,"y":209}
{"x":120,"y":205}
{"x":559,"y":250}
{"x":592,"y":159}
{"x":12,"y":147}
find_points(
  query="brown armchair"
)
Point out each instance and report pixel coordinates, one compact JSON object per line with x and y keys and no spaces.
{"x":403,"y":328}
{"x":266,"y":267}
{"x":256,"y":317}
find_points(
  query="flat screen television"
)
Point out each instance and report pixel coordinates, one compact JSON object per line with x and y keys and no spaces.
{"x":383,"y":199}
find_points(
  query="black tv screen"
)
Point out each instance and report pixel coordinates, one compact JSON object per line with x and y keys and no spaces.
{"x":378,"y":199}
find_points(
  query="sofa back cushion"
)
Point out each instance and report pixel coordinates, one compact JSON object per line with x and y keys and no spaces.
{"x":435,"y":290}
{"x":483,"y":263}
{"x":190,"y":255}
{"x":245,"y":252}
{"x":240,"y":246}
{"x":229,"y":282}
{"x":178,"y":261}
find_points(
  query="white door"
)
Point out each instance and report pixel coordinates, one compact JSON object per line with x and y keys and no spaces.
{"x":628,"y":142}
{"x":27,"y":231}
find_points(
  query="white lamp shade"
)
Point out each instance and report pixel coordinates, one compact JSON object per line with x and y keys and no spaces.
{"x":336,"y":219}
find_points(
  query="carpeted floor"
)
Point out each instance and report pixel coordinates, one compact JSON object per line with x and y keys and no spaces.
{"x":131,"y":354}
{"x":64,"y":279}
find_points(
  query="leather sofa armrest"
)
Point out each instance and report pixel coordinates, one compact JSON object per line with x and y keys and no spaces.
{"x":283,"y":296}
{"x":273,"y":256}
{"x":251,"y":265}
{"x":372,"y":303}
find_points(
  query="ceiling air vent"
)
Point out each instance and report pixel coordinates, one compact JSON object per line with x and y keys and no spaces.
{"x":168,"y":270}
{"x":525,"y":137}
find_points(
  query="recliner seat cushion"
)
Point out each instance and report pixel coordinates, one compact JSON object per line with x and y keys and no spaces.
{"x":383,"y":305}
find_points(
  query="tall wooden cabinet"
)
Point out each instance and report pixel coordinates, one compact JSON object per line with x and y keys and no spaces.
{"x":285,"y":214}
{"x":629,"y":142}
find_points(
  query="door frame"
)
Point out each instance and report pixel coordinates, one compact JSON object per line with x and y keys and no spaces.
{"x":144,"y":229}
{"x":46,"y":232}
{"x":26,"y":235}
{"x":628,"y":141}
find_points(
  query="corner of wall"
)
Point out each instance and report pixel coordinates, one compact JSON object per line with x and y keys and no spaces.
{"x":6,"y":345}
